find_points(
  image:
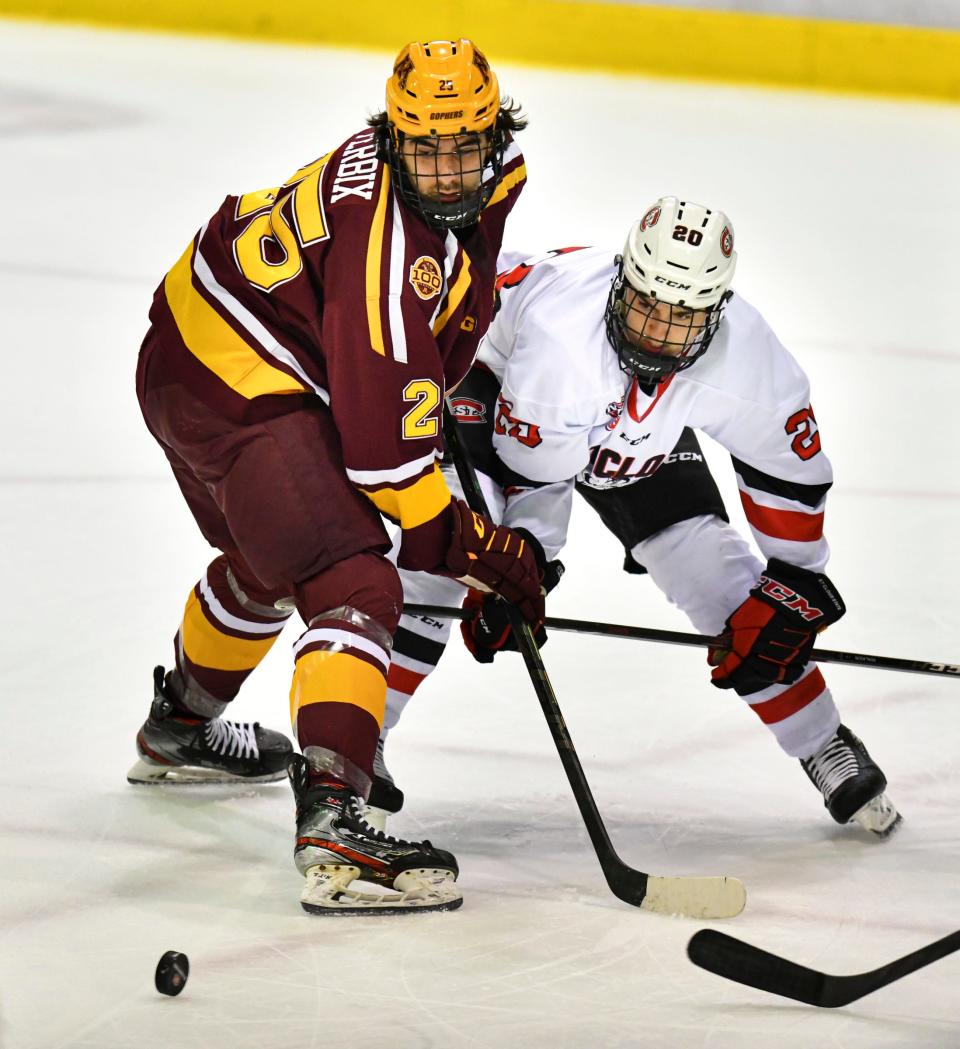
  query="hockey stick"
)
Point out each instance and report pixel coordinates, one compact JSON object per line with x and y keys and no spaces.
{"x":694,"y":897}
{"x":732,"y":958}
{"x":677,"y":637}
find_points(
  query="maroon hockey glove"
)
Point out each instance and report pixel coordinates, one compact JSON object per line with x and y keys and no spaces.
{"x":768,"y":639}
{"x":488,"y":629}
{"x":493,"y":558}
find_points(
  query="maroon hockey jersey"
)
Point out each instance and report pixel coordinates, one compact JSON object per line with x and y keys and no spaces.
{"x":327,"y":289}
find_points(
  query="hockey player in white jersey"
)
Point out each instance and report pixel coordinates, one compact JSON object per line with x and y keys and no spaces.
{"x":592,"y":376}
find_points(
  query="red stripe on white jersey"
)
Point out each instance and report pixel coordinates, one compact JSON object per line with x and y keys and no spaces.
{"x":783,"y":524}
{"x":795,"y":698}
{"x":400,"y":679}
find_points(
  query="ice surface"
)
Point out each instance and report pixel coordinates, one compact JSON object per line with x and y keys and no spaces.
{"x":115,"y":148}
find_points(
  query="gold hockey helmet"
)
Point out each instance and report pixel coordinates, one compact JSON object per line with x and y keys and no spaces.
{"x":443,"y":87}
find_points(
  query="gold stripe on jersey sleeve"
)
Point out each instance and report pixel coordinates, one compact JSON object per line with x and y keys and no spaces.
{"x":455,"y":296}
{"x":215,"y":344}
{"x":416,"y":505}
{"x":337,"y":677}
{"x":206,"y":646}
{"x":374,"y":259}
{"x":506,"y":184}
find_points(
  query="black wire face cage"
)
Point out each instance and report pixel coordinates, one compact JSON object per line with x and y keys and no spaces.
{"x":431,"y":173}
{"x":642,"y":347}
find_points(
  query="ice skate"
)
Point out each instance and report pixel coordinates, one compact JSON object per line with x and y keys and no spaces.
{"x":336,"y":847}
{"x":176,"y":750}
{"x":386,"y":798}
{"x":851,"y":784}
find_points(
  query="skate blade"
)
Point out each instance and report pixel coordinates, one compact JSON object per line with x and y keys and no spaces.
{"x":144,"y":773}
{"x":328,"y":891}
{"x":878,"y":816}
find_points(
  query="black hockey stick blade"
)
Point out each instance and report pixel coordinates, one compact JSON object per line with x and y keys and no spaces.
{"x":679,"y":637}
{"x":692,"y":897}
{"x":742,"y":962}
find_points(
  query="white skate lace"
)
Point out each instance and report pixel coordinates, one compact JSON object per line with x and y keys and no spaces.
{"x":834,"y":765}
{"x":232,"y":738}
{"x":356,"y":808}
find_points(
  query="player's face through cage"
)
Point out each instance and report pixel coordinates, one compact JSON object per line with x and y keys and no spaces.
{"x":450,"y":178}
{"x":653,"y":338}
{"x":660,"y":327}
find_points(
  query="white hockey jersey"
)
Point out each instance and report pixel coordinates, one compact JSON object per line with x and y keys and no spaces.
{"x":568,"y":412}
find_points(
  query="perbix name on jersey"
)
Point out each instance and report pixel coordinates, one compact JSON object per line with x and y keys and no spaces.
{"x":358,"y":169}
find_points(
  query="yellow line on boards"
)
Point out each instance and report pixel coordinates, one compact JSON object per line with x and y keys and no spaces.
{"x":612,"y":37}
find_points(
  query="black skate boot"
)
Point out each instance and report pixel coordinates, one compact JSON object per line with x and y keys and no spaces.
{"x":851,"y":784}
{"x":336,"y":846}
{"x":178,"y":749}
{"x":386,"y":798}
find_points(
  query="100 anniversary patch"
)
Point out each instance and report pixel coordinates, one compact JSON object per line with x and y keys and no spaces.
{"x":426,"y":278}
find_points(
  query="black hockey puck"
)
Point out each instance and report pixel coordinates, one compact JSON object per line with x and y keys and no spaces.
{"x":172,"y":972}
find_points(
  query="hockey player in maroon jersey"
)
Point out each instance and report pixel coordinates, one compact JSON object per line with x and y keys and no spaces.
{"x":594,"y":373}
{"x":294,"y":372}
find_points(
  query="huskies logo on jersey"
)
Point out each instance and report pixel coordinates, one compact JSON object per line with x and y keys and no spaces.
{"x":609,"y":469}
{"x":614,"y":410}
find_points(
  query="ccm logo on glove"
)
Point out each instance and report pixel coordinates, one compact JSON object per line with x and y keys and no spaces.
{"x":793,"y":601}
{"x":769,"y":638}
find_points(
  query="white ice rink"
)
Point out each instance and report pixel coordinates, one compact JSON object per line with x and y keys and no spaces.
{"x":115,"y":148}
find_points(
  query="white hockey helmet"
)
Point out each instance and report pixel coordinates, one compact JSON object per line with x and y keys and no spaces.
{"x":681,"y":254}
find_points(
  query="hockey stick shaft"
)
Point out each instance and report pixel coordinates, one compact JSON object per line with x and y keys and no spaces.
{"x":721,"y":896}
{"x":609,"y":861}
{"x":677,"y":637}
{"x":743,"y":963}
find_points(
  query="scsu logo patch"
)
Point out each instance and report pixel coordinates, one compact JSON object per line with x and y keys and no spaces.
{"x":426,"y":278}
{"x":468,"y":410}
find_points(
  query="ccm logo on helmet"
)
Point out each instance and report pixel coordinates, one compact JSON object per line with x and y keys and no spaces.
{"x":671,"y":283}
{"x":789,"y":599}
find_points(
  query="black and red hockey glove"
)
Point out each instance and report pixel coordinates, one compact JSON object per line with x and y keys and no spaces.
{"x":496,"y":559}
{"x":488,"y":629}
{"x":769,"y":638}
